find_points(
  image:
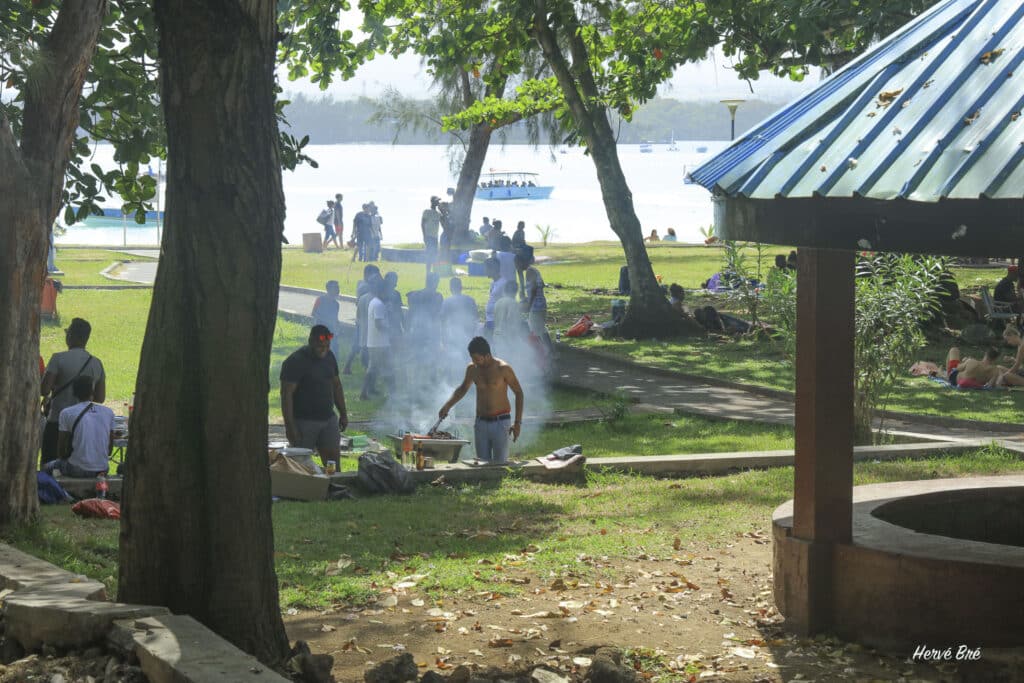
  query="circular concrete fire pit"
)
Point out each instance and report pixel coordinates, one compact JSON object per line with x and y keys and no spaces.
{"x":939,"y":563}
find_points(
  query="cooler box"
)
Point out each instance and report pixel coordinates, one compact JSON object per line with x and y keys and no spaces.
{"x":312,"y":243}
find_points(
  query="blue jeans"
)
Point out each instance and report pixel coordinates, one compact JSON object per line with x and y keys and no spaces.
{"x":491,"y":438}
{"x":69,"y":469}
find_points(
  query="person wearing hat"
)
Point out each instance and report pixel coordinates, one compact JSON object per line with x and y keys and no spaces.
{"x":310,"y":390}
{"x":61,"y":372}
{"x":430,"y":224}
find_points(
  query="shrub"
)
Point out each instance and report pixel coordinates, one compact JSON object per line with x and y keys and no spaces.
{"x":896,"y":295}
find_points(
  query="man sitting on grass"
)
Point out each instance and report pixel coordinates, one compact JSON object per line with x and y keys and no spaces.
{"x":86,"y":435}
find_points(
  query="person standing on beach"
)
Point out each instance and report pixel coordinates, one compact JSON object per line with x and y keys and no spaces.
{"x":339,"y":221}
{"x":361,"y":233}
{"x":493,"y":378}
{"x":326,"y":218}
{"x":430,"y":223}
{"x":376,"y":232}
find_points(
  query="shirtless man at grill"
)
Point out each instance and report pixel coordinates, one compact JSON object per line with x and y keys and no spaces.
{"x":493,"y":378}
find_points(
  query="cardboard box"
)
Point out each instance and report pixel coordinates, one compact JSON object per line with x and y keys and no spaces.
{"x":299,"y":486}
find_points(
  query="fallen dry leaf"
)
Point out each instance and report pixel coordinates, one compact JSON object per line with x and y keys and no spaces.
{"x":500,"y":642}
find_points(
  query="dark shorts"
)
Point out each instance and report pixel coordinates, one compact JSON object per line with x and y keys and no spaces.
{"x":320,"y":435}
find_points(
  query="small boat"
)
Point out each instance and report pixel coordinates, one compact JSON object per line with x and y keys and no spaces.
{"x":702,"y":149}
{"x":511,"y":185}
{"x":646,"y":147}
{"x":672,"y":146}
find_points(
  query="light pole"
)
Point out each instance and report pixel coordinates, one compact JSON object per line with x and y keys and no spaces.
{"x":732,"y":104}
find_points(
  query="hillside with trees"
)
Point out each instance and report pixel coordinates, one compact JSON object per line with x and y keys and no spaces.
{"x":328,"y":121}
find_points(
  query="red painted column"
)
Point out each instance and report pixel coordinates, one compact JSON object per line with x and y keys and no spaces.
{"x":823,"y":497}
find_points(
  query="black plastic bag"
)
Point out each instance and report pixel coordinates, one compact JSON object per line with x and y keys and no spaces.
{"x":381,"y":473}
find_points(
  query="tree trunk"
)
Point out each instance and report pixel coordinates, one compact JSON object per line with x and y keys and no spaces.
{"x":23,"y":240}
{"x":649,"y":313}
{"x":196,"y":533}
{"x":469,"y":178}
{"x":31,"y":183}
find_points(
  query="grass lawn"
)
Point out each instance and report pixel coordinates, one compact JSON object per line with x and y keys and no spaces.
{"x":339,"y":552}
{"x":581,"y":279}
{"x":82,"y":266}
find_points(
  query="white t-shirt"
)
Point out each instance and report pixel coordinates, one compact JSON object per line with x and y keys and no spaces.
{"x":90,"y":444}
{"x":507,"y":320}
{"x":497,"y":291}
{"x":375,"y":338}
{"x":507,"y":261}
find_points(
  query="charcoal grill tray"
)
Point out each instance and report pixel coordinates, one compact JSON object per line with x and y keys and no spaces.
{"x":444,"y":450}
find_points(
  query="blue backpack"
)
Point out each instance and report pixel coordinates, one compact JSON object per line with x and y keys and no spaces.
{"x":50,"y":492}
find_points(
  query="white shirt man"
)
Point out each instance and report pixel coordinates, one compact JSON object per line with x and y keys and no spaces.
{"x":86,"y":435}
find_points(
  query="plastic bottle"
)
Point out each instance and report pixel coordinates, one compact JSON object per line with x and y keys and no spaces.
{"x":420,"y":463}
{"x":101,"y":486}
{"x":406,"y":447}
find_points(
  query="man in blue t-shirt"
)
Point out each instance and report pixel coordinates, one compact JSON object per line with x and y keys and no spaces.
{"x":310,"y":389}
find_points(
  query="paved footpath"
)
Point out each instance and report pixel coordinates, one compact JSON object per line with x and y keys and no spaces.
{"x":680,"y":393}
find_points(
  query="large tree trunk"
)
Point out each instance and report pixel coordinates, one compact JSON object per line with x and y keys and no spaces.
{"x":31,"y":182}
{"x":469,"y":178}
{"x":196,"y":534}
{"x":649,"y":313}
{"x":473,"y":163}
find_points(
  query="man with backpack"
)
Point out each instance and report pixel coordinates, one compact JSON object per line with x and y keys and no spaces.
{"x":326,"y":219}
{"x":62,"y":370}
{"x":86,"y":435}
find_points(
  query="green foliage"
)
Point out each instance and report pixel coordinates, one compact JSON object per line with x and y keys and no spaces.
{"x":745,"y":271}
{"x":546,"y":232}
{"x":779,"y":306}
{"x":896,"y":295}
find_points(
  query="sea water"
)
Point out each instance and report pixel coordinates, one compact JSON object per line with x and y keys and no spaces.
{"x":400,"y":179}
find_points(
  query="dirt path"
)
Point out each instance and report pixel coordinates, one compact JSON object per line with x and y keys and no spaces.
{"x":706,"y":612}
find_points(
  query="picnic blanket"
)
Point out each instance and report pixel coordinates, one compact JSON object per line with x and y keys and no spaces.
{"x":945,"y":382}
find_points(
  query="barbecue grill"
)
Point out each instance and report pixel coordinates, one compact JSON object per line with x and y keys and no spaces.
{"x":442,"y":450}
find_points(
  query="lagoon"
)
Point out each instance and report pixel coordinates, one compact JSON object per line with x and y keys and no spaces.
{"x":401,"y":178}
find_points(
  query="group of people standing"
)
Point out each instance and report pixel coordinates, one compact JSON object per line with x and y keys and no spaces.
{"x":367,"y":231}
{"x":407,"y":352}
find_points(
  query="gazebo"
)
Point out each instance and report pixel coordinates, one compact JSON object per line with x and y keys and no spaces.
{"x":916,"y":146}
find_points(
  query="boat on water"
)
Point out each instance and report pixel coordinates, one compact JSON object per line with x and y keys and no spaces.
{"x":646,"y":147}
{"x":511,"y":185}
{"x":672,"y":146}
{"x":702,"y":149}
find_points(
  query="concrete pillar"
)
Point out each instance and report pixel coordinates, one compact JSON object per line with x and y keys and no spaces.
{"x":823,"y":498}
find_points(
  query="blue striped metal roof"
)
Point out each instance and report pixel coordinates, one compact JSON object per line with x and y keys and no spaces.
{"x":931,"y":112}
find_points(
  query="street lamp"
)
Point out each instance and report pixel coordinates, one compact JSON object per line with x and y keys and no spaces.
{"x":732,"y":104}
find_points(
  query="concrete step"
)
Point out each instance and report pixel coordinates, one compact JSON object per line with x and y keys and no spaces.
{"x":19,"y":570}
{"x":62,"y":615}
{"x":178,"y":649}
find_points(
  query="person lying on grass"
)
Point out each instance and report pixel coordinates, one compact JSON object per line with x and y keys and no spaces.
{"x":970,"y":373}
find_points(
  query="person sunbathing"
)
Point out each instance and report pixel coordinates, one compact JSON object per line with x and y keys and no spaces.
{"x":970,"y":373}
